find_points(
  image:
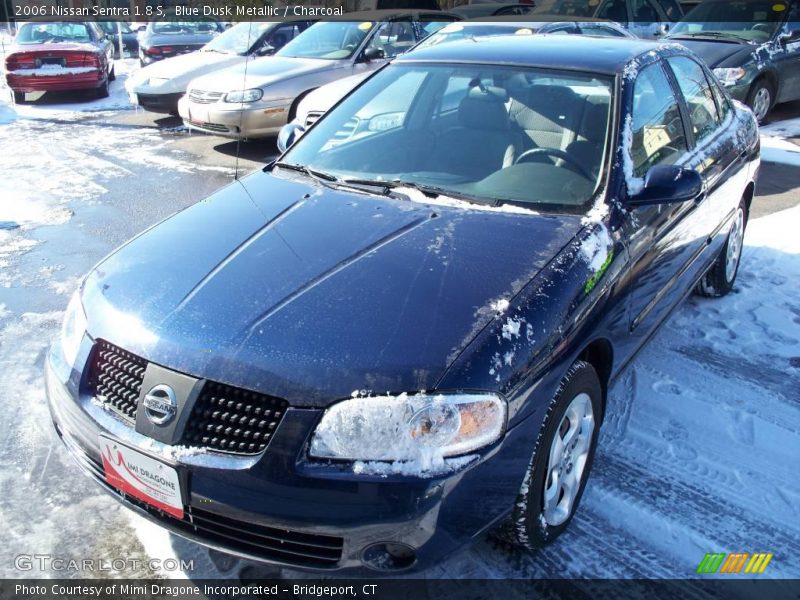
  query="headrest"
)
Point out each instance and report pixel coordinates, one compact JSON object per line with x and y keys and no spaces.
{"x":484,"y":108}
{"x":595,"y":122}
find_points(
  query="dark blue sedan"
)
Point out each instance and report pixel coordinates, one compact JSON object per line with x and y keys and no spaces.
{"x":401,"y":334}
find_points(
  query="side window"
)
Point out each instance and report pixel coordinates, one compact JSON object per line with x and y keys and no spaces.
{"x":657,"y":136}
{"x":644,"y":12}
{"x":456,"y":90}
{"x":672,"y":9}
{"x":723,"y":104}
{"x":698,"y":95}
{"x":282,"y":35}
{"x":614,"y":10}
{"x":393,"y":38}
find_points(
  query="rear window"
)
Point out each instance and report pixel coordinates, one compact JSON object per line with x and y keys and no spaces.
{"x":51,"y":33}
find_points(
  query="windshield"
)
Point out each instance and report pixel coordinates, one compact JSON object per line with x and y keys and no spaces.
{"x":186,"y":27}
{"x":239,"y":39}
{"x":486,"y":133}
{"x":46,"y":33}
{"x":111,"y":27}
{"x":329,"y":40}
{"x":457,"y":31}
{"x":754,"y":21}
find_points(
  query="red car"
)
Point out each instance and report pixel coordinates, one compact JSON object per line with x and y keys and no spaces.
{"x":49,"y":57}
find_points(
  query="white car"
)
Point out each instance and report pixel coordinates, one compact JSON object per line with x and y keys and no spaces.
{"x":158,"y":86}
{"x":322,"y":99}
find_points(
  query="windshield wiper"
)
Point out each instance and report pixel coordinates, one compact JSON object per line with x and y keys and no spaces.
{"x":431,"y":191}
{"x":712,"y":34}
{"x":324,"y":178}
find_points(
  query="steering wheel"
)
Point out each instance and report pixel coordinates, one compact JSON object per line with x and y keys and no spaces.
{"x":577,"y":167}
{"x":761,"y":27}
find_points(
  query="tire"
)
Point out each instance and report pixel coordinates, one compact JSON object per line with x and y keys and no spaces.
{"x":102,"y":91}
{"x":760,"y":98}
{"x":719,"y":279}
{"x":543,"y":510}
{"x":19,"y":97}
{"x":112,"y":74}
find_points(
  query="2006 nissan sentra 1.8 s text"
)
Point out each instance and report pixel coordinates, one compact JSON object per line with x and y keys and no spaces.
{"x":400,"y":334}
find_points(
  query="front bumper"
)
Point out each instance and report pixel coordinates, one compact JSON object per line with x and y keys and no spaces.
{"x":259,"y":119}
{"x":277,"y":507}
{"x":158,"y":103}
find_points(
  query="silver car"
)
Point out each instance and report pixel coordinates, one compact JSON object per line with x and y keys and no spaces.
{"x":257,"y":98}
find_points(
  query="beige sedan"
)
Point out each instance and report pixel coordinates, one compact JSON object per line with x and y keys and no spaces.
{"x":256,"y":99}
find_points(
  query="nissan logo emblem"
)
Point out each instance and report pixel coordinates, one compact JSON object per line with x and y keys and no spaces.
{"x":160,"y":404}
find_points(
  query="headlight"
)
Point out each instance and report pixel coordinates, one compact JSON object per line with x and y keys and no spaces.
{"x":729,"y":76}
{"x":244,"y":95}
{"x":72,"y":329}
{"x":409,"y":428}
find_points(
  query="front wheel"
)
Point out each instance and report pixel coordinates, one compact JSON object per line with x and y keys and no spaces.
{"x":562,"y":459}
{"x":759,"y":99}
{"x":102,"y":91}
{"x":719,"y":279}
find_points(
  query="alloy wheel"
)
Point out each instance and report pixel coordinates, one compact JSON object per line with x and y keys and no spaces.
{"x":569,"y":452}
{"x":761,"y":102}
{"x":734,"y":251}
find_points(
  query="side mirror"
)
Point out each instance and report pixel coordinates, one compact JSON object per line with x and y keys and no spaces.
{"x":288,"y":135}
{"x":665,"y":184}
{"x":373,"y":53}
{"x":265,"y":50}
{"x":789,"y":37}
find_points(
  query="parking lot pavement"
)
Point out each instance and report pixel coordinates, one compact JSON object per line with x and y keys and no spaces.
{"x":696,"y":456}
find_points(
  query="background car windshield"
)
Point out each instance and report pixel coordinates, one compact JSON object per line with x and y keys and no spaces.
{"x":456,"y":31}
{"x":488,"y":132}
{"x":571,"y":8}
{"x":330,"y":40}
{"x":45,"y":33}
{"x":187,"y":27}
{"x":751,"y":20}
{"x":239,"y":39}
{"x":111,"y":27}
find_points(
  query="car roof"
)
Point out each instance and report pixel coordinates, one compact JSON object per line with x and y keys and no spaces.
{"x":584,"y":53}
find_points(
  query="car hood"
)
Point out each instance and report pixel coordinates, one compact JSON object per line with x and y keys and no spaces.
{"x":323,"y":98}
{"x":719,"y":53}
{"x":262,"y":72}
{"x":307,"y":293}
{"x":180,"y":70}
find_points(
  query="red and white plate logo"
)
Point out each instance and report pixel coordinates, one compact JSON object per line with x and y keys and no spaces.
{"x":142,"y":477}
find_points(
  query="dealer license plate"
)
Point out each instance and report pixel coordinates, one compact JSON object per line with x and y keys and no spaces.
{"x":142,"y":477}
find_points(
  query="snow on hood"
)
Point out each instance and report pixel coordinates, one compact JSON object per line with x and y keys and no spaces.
{"x":281,"y":285}
{"x":262,"y":72}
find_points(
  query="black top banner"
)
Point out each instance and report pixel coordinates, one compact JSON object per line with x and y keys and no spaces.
{"x":663,"y":12}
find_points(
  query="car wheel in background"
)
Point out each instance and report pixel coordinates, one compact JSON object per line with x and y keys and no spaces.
{"x":760,"y":98}
{"x":112,"y":74}
{"x":102,"y":91}
{"x":719,"y":279}
{"x":561,"y":462}
{"x":19,"y":97}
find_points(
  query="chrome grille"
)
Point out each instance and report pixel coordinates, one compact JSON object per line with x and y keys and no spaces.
{"x":115,"y":378}
{"x":203,"y":97}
